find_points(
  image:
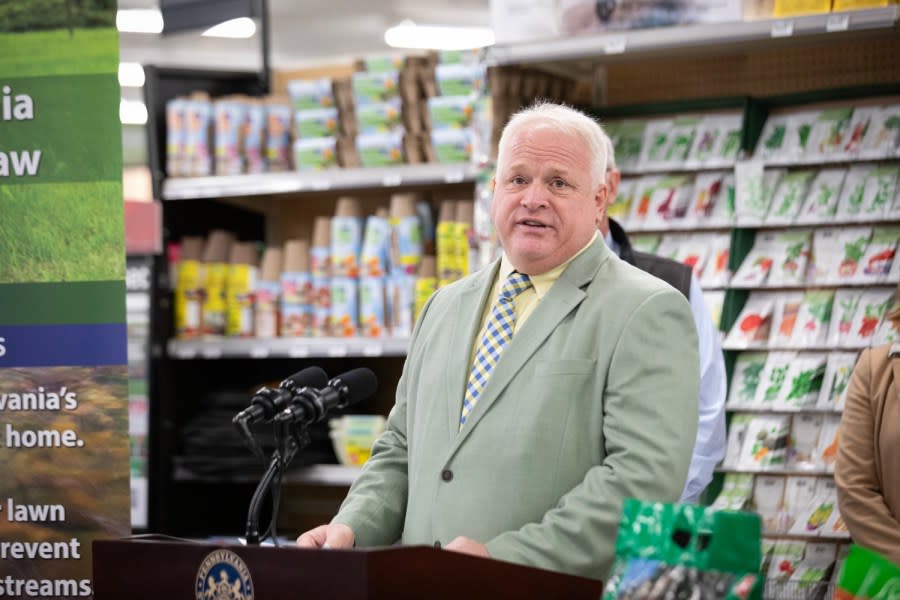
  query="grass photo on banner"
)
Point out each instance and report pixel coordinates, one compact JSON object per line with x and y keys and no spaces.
{"x":61,"y":232}
{"x":58,"y":37}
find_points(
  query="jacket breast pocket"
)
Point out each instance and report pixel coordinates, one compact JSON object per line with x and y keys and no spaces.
{"x":572,"y":366}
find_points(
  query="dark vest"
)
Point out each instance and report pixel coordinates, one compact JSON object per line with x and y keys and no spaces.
{"x":674,"y":273}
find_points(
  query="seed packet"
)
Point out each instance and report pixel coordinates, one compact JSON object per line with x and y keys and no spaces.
{"x":850,"y":203}
{"x":694,"y":252}
{"x":628,"y":140}
{"x":707,"y":193}
{"x":751,"y":329}
{"x":620,"y":210}
{"x":714,"y":299}
{"x":876,"y":263}
{"x":768,"y":492}
{"x":829,"y":130}
{"x":885,"y":334}
{"x":838,"y":369}
{"x":798,"y":493}
{"x":862,"y":119}
{"x":754,"y":270}
{"x":724,"y":132}
{"x":737,"y":434}
{"x":838,"y":253}
{"x":789,"y":197}
{"x":755,"y":188}
{"x":827,"y":446}
{"x":873,"y":304}
{"x":646,"y":242}
{"x":681,"y":140}
{"x":803,"y":382}
{"x":640,"y":204}
{"x":745,"y":379}
{"x":800,"y":126}
{"x":736,"y":491}
{"x":773,"y":379}
{"x":784,"y":319}
{"x":822,"y":198}
{"x":812,"y":517}
{"x":668,"y":201}
{"x":893,"y":212}
{"x":657,"y":139}
{"x":843,"y":314}
{"x":813,"y":320}
{"x":883,"y":136}
{"x":790,"y":268}
{"x":723,"y":213}
{"x":773,"y":138}
{"x":786,"y":555}
{"x":716,"y":273}
{"x":836,"y":526}
{"x":670,"y":245}
{"x":815,"y":567}
{"x":878,"y":193}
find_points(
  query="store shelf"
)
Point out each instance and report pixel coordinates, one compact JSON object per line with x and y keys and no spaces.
{"x":767,"y":348}
{"x":286,"y":348}
{"x":806,"y":538}
{"x":335,"y":180}
{"x":812,"y":410}
{"x":814,"y":286}
{"x":773,"y":471}
{"x":706,"y":37}
{"x":325,"y":475}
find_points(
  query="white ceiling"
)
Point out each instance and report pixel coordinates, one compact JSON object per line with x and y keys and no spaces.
{"x":303,"y":33}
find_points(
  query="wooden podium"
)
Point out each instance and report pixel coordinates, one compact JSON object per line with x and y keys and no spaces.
{"x":137,"y":569}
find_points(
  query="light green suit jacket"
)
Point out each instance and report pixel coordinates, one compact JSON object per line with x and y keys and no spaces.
{"x":593,"y":401}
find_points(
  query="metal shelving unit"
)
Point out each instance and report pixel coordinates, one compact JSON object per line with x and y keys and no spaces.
{"x":286,"y":348}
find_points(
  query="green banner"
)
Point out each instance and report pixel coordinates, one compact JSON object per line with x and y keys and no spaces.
{"x":64,"y":454}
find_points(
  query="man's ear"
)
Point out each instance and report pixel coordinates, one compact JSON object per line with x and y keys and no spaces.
{"x":613,"y":179}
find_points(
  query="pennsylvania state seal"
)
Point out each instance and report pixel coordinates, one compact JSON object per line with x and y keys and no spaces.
{"x":223,"y":576}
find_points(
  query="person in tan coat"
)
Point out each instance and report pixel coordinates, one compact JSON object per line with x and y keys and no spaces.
{"x":867,"y":472}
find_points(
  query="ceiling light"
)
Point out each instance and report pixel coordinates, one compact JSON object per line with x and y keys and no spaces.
{"x":438,"y":37}
{"x":243,"y":27}
{"x":131,"y":74}
{"x":139,"y":20}
{"x":132,"y":112}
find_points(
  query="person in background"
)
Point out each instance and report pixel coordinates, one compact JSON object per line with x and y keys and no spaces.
{"x":540,"y":392}
{"x":709,"y":448}
{"x":867,"y":472}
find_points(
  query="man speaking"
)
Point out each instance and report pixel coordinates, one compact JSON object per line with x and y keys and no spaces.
{"x":540,"y":392}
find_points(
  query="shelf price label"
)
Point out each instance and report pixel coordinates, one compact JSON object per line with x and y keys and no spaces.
{"x":259,"y":352}
{"x":391,"y":180}
{"x":782,"y":29}
{"x":298,"y":352}
{"x":337,"y":351}
{"x":837,"y":23}
{"x":211,"y":352}
{"x":186,"y":352}
{"x":454,"y":176}
{"x":372,"y":350}
{"x":614,"y":45}
{"x":320,"y":185}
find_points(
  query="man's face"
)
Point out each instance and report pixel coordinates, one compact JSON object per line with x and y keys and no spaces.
{"x":545,"y":206}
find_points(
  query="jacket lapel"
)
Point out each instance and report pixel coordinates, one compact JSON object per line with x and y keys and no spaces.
{"x":467,"y":316}
{"x":560,"y":300}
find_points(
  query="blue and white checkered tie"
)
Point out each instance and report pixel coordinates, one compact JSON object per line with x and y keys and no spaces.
{"x":496,"y":334}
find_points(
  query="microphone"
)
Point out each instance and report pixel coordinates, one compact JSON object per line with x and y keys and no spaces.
{"x":311,"y":405}
{"x":268,"y":402}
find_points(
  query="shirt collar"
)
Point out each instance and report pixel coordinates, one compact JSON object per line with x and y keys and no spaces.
{"x":543,"y":281}
{"x":611,"y":243}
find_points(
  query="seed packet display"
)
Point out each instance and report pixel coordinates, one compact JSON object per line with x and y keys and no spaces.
{"x":789,"y":197}
{"x":876,"y":263}
{"x":765,"y":443}
{"x":794,"y":250}
{"x":878,"y":193}
{"x":716,"y":273}
{"x":838,"y":369}
{"x":822,"y":197}
{"x":873,"y":304}
{"x":812,"y":518}
{"x":883,"y":135}
{"x":826,"y":139}
{"x":751,"y":330}
{"x":768,"y":492}
{"x":805,"y":430}
{"x":773,"y":378}
{"x":784,"y":318}
{"x":827,"y":446}
{"x":811,"y":330}
{"x":862,"y":119}
{"x":803,"y":382}
{"x":736,"y":492}
{"x":657,"y":138}
{"x":799,"y":491}
{"x":745,"y":379}
{"x":850,"y":203}
{"x":754,"y":270}
{"x":716,"y":142}
{"x":737,"y":433}
{"x":838,"y":253}
{"x":620,"y":210}
{"x":843,"y":313}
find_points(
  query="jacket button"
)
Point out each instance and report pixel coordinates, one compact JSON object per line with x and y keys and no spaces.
{"x":446,"y":474}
